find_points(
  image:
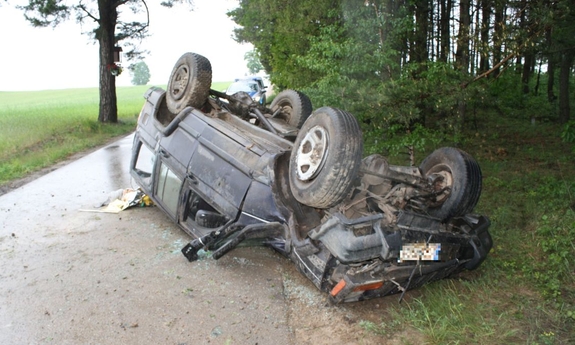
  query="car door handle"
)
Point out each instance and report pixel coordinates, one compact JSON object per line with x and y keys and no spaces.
{"x":193,"y":180}
{"x":164,"y":153}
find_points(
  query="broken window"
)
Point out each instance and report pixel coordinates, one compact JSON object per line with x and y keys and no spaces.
{"x":145,"y":164}
{"x":168,"y":188}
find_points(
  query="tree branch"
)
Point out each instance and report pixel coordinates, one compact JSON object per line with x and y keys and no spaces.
{"x":88,"y":14}
{"x":487,"y":73}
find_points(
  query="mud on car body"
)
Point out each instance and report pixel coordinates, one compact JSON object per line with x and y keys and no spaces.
{"x":231,"y":171}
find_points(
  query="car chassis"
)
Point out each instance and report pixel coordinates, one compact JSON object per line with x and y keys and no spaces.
{"x":233,"y":172}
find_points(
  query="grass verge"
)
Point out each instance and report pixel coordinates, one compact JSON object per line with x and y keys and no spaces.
{"x":41,"y":128}
{"x":524,"y":293}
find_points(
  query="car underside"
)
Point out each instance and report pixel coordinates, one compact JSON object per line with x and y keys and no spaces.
{"x":230,"y":171}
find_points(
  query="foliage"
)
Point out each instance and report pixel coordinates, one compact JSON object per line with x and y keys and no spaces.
{"x":253,"y":61}
{"x":140,"y":73}
{"x":367,"y":58}
{"x":279,"y":32}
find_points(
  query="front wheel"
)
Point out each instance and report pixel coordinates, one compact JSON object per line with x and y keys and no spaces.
{"x":455,"y":178}
{"x":325,"y":158}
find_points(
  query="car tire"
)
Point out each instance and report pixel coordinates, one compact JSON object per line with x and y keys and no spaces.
{"x":189,"y":83}
{"x":296,"y":107}
{"x":325,"y":158}
{"x":457,"y":170}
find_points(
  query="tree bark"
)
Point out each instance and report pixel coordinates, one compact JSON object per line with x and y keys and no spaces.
{"x":499,"y":16}
{"x":484,"y":49}
{"x":420,"y":39}
{"x":564,"y":74}
{"x":526,"y":74}
{"x":550,"y":80}
{"x":445,"y":9}
{"x":106,"y":38}
{"x":462,"y":53}
{"x":550,"y":66}
{"x":384,"y":13}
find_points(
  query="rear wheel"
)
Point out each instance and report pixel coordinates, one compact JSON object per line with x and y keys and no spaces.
{"x":294,"y":107}
{"x":456,"y":179}
{"x":189,"y":83}
{"x":325,"y":158}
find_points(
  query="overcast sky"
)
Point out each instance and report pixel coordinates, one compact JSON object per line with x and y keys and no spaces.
{"x":46,"y":58}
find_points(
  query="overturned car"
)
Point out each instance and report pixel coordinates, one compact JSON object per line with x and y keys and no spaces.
{"x":230,"y":171}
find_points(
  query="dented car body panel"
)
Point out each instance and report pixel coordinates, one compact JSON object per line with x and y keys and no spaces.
{"x":226,"y":182}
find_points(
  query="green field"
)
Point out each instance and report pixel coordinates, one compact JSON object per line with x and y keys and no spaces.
{"x":40,"y":128}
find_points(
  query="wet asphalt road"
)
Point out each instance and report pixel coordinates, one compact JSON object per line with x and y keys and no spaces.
{"x":73,"y":277}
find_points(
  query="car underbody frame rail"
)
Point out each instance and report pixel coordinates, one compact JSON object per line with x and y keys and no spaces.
{"x":213,"y":240}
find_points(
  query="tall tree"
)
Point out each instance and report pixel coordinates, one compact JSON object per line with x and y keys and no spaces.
{"x":498,"y":34}
{"x":564,"y":45}
{"x":108,"y":30}
{"x":420,"y":49}
{"x":281,"y":31}
{"x":564,"y":76}
{"x":528,"y":57}
{"x":140,"y":73}
{"x":485,"y":26}
{"x":462,"y":53}
{"x":550,"y":65}
{"x":444,"y":20}
{"x":253,"y":61}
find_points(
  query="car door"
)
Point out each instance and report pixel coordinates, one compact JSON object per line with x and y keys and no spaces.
{"x":173,"y":155}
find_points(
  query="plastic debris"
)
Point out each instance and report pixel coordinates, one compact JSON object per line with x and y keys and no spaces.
{"x":122,"y":199}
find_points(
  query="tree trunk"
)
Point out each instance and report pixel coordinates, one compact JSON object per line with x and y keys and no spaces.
{"x":551,"y":79}
{"x":526,"y":74}
{"x":384,"y":14}
{"x":498,"y":34}
{"x":538,"y":78}
{"x":445,"y":9}
{"x":550,"y":67}
{"x":420,"y":39}
{"x":484,"y":49}
{"x":106,"y":38}
{"x":398,"y":43}
{"x":564,"y":74}
{"x":462,"y":53}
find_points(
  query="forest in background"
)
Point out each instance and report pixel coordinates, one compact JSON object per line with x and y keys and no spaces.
{"x":419,"y":70}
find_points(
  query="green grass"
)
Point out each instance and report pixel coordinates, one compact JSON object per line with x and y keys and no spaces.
{"x":40,"y":128}
{"x":524,"y":293}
